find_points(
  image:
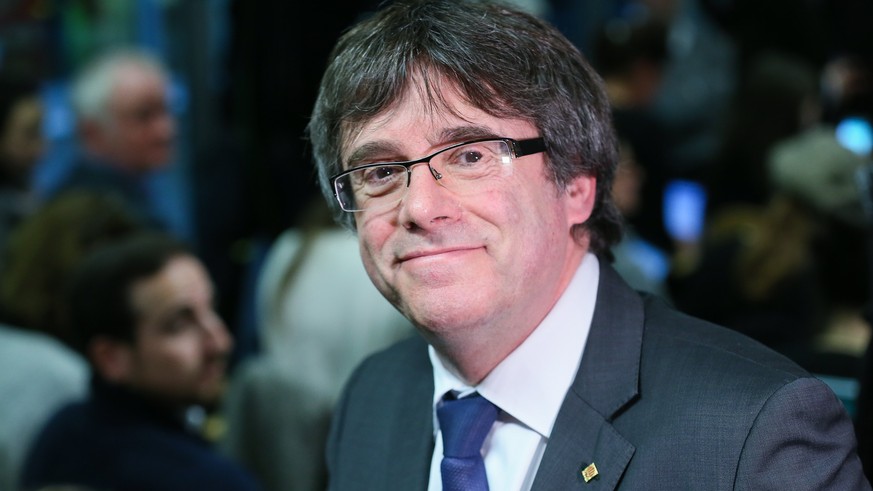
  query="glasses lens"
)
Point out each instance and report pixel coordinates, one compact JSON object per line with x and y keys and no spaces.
{"x":371,"y":187}
{"x":465,"y":167}
{"x":460,"y":169}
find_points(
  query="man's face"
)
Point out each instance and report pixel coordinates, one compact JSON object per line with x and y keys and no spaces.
{"x":181,"y":346}
{"x":489,"y":263}
{"x":141,"y":130}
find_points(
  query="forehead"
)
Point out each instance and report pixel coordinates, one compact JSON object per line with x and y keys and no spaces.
{"x":133,"y":82}
{"x":430,"y":116}
{"x":182,"y":279}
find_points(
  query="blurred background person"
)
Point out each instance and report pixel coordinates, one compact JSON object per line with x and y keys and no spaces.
{"x":319,"y":316}
{"x":126,"y":130}
{"x":630,"y":54}
{"x":777,"y":97}
{"x":142,"y":311}
{"x":21,"y":146}
{"x":44,"y":250}
{"x":847,"y":90}
{"x":787,"y":272}
{"x":39,"y":372}
{"x":698,"y":79}
{"x":640,"y":262}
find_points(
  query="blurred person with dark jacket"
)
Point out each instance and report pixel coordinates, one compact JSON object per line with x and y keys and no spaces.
{"x":142,"y":310}
{"x":38,"y":373}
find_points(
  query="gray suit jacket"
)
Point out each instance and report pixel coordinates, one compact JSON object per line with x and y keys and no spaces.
{"x":661,"y":401}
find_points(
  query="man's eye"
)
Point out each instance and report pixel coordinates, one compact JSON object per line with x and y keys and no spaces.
{"x":174,"y":326}
{"x":179,"y":323}
{"x":470,"y":157}
{"x":378,"y":175}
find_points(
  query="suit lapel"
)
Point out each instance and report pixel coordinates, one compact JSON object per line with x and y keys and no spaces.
{"x":607,"y":380}
{"x":411,"y":427}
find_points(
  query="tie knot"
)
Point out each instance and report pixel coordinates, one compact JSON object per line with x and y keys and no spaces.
{"x":464,"y":424}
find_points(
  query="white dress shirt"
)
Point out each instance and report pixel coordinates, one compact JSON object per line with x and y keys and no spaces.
{"x":528,"y":386}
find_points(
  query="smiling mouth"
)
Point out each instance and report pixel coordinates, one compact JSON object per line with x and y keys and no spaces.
{"x":434,"y":253}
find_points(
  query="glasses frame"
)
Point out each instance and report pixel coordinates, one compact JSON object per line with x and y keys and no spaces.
{"x":518,"y":148}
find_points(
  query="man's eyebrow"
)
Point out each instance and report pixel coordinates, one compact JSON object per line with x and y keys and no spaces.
{"x":370,"y":151}
{"x":459,"y":134}
{"x":174,"y":312}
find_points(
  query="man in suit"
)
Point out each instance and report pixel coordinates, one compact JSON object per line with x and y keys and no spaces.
{"x":143,"y":310}
{"x":470,"y":146}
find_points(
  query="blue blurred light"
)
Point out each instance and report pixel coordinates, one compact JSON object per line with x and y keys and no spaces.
{"x":684,"y":209}
{"x":856,"y":134}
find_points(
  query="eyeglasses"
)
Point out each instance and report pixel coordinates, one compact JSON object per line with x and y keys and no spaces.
{"x":461,"y":168}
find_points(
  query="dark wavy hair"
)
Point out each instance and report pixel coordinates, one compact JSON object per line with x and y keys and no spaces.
{"x":100,"y":287}
{"x":504,"y":61}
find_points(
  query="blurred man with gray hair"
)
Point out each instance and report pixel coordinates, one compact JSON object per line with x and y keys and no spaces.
{"x":125,"y":127}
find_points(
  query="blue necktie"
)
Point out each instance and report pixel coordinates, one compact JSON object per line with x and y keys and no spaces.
{"x":464,"y":424}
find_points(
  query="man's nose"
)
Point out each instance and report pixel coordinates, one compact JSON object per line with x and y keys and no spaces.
{"x":215,"y":335}
{"x":427,"y":199}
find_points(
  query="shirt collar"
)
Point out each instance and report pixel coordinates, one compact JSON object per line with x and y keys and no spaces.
{"x":530,"y":383}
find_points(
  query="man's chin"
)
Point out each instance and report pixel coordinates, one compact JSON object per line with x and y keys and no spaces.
{"x":151,"y":167}
{"x":211,"y":397}
{"x":152,"y":163}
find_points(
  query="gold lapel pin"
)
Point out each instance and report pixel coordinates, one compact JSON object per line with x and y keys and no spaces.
{"x":589,"y":472}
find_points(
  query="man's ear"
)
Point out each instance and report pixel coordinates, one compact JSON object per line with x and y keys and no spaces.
{"x":111,"y":358}
{"x":579,"y":195}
